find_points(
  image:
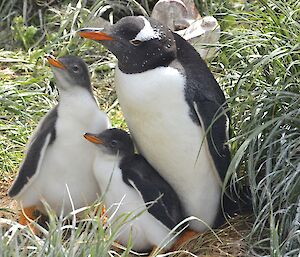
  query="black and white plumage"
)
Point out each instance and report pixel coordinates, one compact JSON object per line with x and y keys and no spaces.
{"x":130,"y":177}
{"x":174,"y":108}
{"x":58,"y":159}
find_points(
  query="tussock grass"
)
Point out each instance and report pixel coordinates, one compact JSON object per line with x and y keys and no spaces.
{"x":68,"y":236}
{"x":260,"y":57}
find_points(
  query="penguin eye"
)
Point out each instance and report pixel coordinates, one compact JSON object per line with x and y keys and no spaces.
{"x":75,"y":68}
{"x":135,"y":42}
{"x":114,"y":143}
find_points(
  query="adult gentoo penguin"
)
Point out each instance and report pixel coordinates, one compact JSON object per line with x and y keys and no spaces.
{"x":174,"y":109}
{"x":131,"y":181}
{"x":58,"y":162}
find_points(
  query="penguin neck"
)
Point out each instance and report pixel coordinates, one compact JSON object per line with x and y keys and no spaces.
{"x":76,"y":102}
{"x":75,"y":94}
{"x":107,"y":168}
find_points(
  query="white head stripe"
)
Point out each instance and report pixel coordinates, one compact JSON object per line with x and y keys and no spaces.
{"x":147,"y":32}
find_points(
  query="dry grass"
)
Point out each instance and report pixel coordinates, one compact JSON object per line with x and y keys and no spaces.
{"x":228,"y":240}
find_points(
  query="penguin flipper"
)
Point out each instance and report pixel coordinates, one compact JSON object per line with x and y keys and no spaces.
{"x":30,"y":166}
{"x":160,"y":198}
{"x":215,"y":122}
{"x":40,"y":141}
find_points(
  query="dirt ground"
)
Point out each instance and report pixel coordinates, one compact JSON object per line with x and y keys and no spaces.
{"x":8,"y":207}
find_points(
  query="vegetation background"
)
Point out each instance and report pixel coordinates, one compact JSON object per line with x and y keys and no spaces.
{"x":257,"y":66}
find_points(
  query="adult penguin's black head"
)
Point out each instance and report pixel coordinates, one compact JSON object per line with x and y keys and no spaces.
{"x":139,"y":43}
{"x":113,"y":141}
{"x":70,"y":71}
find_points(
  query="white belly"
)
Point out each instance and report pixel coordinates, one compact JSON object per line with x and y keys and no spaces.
{"x":65,"y":167}
{"x":158,"y":118}
{"x":121,"y":200}
{"x":68,"y":161}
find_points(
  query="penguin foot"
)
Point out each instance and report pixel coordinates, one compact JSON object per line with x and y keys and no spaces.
{"x":186,"y":236}
{"x":103,"y":211}
{"x":102,"y":214}
{"x":27,"y":216}
{"x":155,"y":251}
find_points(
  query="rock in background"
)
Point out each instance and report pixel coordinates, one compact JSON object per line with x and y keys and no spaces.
{"x":182,"y":17}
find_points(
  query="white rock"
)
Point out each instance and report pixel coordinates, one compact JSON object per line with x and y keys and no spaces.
{"x":183,"y":17}
{"x":171,"y":13}
{"x":202,"y":32}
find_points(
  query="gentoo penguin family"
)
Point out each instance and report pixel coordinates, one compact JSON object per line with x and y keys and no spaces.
{"x":174,"y":108}
{"x":58,"y":165}
{"x":131,"y":181}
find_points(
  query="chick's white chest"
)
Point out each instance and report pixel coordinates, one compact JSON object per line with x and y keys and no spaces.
{"x":120,"y":200}
{"x":67,"y":163}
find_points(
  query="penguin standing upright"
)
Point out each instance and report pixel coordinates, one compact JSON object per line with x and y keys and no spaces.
{"x":57,"y":167}
{"x":131,"y":181}
{"x":174,"y":108}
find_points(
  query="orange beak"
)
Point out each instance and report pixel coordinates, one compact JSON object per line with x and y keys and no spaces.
{"x":54,"y":62}
{"x":94,"y":35}
{"x":92,"y":138}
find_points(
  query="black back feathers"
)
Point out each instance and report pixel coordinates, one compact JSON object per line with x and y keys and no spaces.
{"x":205,"y":99}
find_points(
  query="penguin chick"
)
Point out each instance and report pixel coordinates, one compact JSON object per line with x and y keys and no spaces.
{"x":129,"y":175}
{"x":57,"y":167}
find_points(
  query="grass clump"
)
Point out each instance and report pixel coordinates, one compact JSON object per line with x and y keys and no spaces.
{"x":68,"y":236}
{"x":260,"y":57}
